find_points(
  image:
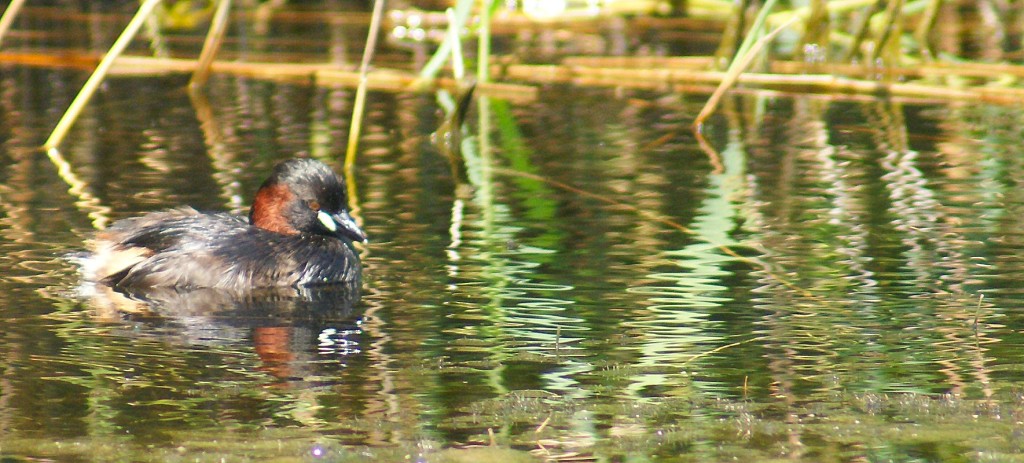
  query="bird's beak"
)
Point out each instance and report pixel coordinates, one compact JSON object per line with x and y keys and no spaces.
{"x":342,"y":224}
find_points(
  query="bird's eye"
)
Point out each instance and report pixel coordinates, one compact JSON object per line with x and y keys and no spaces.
{"x":313,"y":204}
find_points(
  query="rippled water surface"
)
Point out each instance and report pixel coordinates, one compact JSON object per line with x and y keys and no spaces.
{"x":840,"y":281}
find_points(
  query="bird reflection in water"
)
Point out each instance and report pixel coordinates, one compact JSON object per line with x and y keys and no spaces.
{"x":286,"y":326}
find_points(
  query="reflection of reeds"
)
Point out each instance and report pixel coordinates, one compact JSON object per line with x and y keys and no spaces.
{"x":224,"y":164}
{"x":871,"y":256}
{"x":87,"y":202}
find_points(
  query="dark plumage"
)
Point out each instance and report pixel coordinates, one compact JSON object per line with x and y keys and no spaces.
{"x":299,"y":233}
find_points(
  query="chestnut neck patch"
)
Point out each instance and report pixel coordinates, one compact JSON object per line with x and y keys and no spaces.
{"x":269,"y":209}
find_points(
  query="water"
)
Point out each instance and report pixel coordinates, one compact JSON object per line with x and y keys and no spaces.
{"x":844,"y":287}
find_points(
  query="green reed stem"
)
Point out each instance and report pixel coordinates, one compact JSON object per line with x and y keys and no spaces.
{"x":458,"y":64}
{"x":483,"y":59}
{"x":434,"y":64}
{"x":754,"y":33}
{"x":924,"y":29}
{"x":890,"y":30}
{"x":862,"y":29}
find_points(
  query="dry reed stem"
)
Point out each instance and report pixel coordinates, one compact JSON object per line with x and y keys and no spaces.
{"x":483,"y":50}
{"x":640,"y":62}
{"x":648,"y":78}
{"x":147,"y":65}
{"x":97,"y":76}
{"x":671,"y":74}
{"x":8,"y":17}
{"x":214,"y":38}
{"x":716,"y":350}
{"x":360,"y":102}
{"x":68,"y":60}
{"x":324,"y":74}
{"x":700,"y":63}
{"x":543,"y":425}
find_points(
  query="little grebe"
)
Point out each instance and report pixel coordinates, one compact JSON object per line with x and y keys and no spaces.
{"x":299,"y":233}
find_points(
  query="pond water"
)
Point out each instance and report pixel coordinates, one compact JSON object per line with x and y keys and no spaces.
{"x":840,"y":281}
